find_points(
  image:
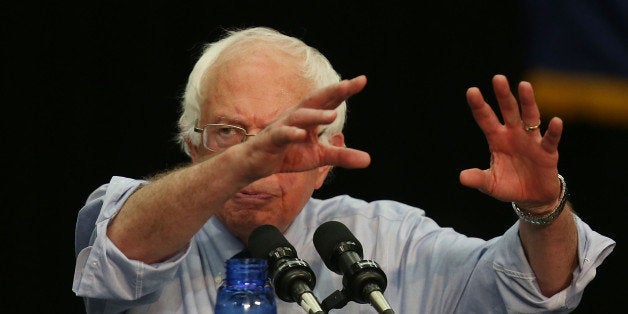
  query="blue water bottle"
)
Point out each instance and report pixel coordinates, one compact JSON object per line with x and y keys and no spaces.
{"x":246,"y":288}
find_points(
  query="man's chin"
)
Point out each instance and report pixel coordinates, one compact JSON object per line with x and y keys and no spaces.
{"x":243,"y":222}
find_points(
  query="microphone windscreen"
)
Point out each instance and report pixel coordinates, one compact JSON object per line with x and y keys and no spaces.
{"x":265,"y":239}
{"x":328,"y":238}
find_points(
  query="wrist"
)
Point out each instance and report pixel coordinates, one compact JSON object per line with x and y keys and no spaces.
{"x":545,"y":217}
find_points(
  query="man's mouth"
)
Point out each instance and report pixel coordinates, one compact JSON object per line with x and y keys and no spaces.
{"x":252,"y":195}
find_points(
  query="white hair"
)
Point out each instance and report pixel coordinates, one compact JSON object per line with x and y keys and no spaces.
{"x":316,"y":69}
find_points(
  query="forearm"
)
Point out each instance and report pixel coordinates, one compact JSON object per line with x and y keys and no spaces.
{"x":551,"y":251}
{"x":159,"y":219}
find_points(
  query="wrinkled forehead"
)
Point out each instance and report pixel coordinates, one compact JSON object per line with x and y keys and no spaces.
{"x":277,"y":63}
{"x":256,"y":77}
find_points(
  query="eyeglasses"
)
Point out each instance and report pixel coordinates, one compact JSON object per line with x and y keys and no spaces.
{"x":218,"y":137}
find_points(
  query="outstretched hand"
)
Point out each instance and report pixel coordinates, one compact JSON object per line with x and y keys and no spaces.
{"x":523,"y":166}
{"x":291,"y":142}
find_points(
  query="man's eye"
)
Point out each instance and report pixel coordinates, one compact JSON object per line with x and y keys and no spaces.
{"x":227,"y":131}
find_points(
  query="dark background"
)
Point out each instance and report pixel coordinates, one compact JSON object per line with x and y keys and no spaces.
{"x":91,"y":90}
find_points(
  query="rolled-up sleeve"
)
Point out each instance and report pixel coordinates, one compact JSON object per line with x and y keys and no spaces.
{"x":102,"y":271}
{"x":516,"y":282}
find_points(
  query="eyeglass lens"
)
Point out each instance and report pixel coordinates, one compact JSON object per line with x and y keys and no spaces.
{"x":218,"y":137}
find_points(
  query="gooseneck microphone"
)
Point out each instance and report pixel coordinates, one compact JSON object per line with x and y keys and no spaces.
{"x":363,"y":280}
{"x":292,"y":277}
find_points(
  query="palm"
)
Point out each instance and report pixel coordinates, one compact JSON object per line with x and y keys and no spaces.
{"x":291,"y":142}
{"x":523,"y":163}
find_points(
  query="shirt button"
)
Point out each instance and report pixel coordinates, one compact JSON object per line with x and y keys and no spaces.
{"x":218,"y":279}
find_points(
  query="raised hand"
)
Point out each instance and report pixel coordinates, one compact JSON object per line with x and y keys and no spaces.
{"x":523,"y":166}
{"x":290,"y":143}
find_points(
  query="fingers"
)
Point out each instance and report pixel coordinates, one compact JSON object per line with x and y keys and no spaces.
{"x":523,"y":114}
{"x":329,"y":155}
{"x":507,"y":101}
{"x":284,"y":135}
{"x":332,"y":96}
{"x":294,"y":124}
{"x":530,"y":115}
{"x":552,"y":135}
{"x":481,"y":111}
{"x":308,"y":118}
{"x":474,"y":178}
{"x":346,"y":157}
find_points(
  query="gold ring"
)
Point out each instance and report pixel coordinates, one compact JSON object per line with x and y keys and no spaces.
{"x":530,"y":128}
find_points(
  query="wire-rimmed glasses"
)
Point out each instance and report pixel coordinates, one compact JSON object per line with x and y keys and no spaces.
{"x":217,"y":137}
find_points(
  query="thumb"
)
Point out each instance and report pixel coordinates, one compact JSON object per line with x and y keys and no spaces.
{"x":473,"y":178}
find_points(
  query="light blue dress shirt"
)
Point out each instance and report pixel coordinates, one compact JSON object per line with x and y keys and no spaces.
{"x":430,"y":269}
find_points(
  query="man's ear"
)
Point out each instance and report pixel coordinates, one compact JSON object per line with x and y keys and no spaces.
{"x":194,"y":150}
{"x":337,"y":139}
{"x":323,"y":172}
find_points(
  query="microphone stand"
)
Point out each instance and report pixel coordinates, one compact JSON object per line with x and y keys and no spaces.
{"x":339,"y":298}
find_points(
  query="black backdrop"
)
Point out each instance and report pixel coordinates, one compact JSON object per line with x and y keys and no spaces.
{"x":90,"y":90}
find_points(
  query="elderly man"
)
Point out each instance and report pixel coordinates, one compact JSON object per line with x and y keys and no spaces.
{"x":262,"y":120}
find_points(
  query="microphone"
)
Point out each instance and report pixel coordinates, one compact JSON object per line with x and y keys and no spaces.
{"x":291,"y":276}
{"x":363,"y":280}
